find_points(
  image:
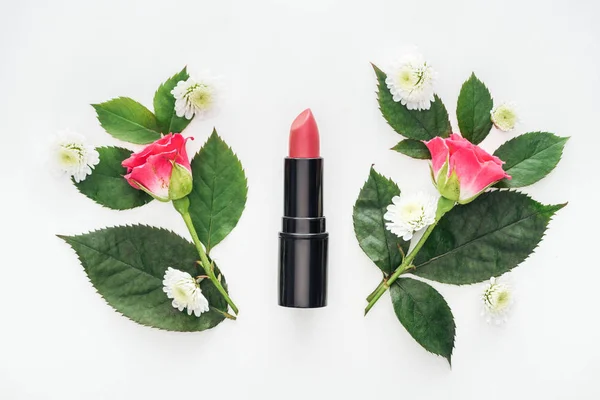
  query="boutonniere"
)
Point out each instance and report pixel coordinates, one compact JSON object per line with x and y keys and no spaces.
{"x":477,"y":227}
{"x":151,"y":275}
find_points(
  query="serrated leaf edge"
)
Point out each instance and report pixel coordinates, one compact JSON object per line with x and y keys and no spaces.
{"x":65,"y":239}
{"x":383,"y":221}
{"x":99,"y":105}
{"x":563,"y":141}
{"x":474,"y":78}
{"x":397,"y":150}
{"x":427,"y":282}
{"x":553,"y":208}
{"x":100,"y":204}
{"x":378,"y":72}
{"x":215,"y":136}
{"x":184,"y":70}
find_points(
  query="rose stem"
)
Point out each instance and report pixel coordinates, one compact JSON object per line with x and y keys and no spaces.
{"x":369,"y":297}
{"x":223,"y":313}
{"x":182,"y":206}
{"x":444,"y":205}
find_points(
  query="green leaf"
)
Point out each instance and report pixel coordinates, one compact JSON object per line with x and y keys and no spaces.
{"x":485,"y":238}
{"x":473,"y":110}
{"x":413,"y":124}
{"x":127,"y":264}
{"x":164,"y":105}
{"x":106,"y":185}
{"x":381,"y":245}
{"x":220,"y":190}
{"x":128,"y":120}
{"x":530,"y":157}
{"x":425,"y":315}
{"x":413,"y":148}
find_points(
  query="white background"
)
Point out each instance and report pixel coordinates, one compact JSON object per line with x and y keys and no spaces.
{"x":59,"y":340}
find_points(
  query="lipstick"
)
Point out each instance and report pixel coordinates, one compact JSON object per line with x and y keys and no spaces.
{"x":303,"y":238}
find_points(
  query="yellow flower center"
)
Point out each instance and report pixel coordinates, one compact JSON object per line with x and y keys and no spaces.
{"x":68,"y":156}
{"x":411,"y":211}
{"x":201,"y":96}
{"x":180,"y":294}
{"x":502,"y":300}
{"x":505,"y":117}
{"x":408,"y":78}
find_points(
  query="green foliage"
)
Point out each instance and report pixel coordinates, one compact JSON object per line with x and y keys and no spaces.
{"x":413,"y":124}
{"x":473,"y":110}
{"x":128,"y":120}
{"x":472,"y":242}
{"x":106,"y":185}
{"x":425,"y":315}
{"x":485,"y":238}
{"x":127,"y":264}
{"x":413,"y":148}
{"x":164,"y":105}
{"x":381,"y":245}
{"x":530,"y":157}
{"x":219,"y":194}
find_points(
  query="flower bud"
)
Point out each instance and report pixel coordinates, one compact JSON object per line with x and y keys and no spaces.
{"x":181,"y":182}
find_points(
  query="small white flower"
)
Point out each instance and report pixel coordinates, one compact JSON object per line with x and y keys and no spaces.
{"x":497,"y":301}
{"x":185,"y":292}
{"x":195,"y":97}
{"x":410,"y":213}
{"x":73,"y":156}
{"x":410,"y":81}
{"x":504,"y":116}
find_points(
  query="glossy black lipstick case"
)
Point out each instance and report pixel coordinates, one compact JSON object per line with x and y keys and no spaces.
{"x":303,"y":239}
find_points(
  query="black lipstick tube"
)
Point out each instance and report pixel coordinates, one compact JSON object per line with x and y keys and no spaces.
{"x":303,"y":238}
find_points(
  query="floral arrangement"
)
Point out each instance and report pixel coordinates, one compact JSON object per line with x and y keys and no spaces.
{"x":151,"y":275}
{"x":477,"y":228}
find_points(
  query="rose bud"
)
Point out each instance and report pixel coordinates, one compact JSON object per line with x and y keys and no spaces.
{"x":162,"y":169}
{"x":461,"y":170}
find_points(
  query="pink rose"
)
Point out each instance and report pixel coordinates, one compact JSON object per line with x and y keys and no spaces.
{"x":461,"y":170}
{"x":162,"y":169}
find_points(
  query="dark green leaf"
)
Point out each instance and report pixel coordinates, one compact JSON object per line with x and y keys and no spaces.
{"x":425,"y":315}
{"x":381,"y":245}
{"x":106,"y":185}
{"x":128,"y":120}
{"x":485,"y":238}
{"x":473,"y":110}
{"x":530,"y":157}
{"x":220,"y":190}
{"x":127,"y":264}
{"x":413,"y":148}
{"x":164,"y":105}
{"x":413,"y":124}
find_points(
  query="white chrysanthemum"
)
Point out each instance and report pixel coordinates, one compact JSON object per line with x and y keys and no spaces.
{"x":73,"y":156}
{"x":195,"y":97}
{"x":504,"y":116}
{"x":497,"y":301}
{"x":185,"y":292}
{"x":410,"y":213}
{"x":410,"y":81}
